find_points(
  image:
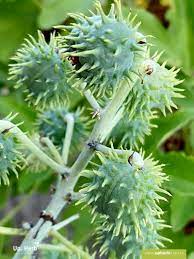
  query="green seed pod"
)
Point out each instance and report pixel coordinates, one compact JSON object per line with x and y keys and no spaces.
{"x":52,"y":124}
{"x":9,"y":157}
{"x":41,"y":71}
{"x":159,"y":84}
{"x":154,"y":91}
{"x":130,"y":247}
{"x":102,"y":48}
{"x":131,"y":132}
{"x":126,"y":199}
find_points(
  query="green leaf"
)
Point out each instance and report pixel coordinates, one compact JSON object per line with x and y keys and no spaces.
{"x":17,"y":19}
{"x":15,"y":104}
{"x":167,"y":126}
{"x":3,"y":74}
{"x":4,"y":194}
{"x":181,"y":30}
{"x":178,"y":165}
{"x":180,"y":186}
{"x":179,"y":239}
{"x":29,"y":180}
{"x":54,"y":12}
{"x":182,"y":211}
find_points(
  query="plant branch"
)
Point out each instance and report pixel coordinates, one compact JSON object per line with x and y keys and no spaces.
{"x":7,"y":126}
{"x":92,"y":101}
{"x":52,"y":149}
{"x":107,"y":150}
{"x":65,"y":222}
{"x":65,"y":187}
{"x":68,"y":137}
{"x":49,"y":247}
{"x":12,"y":231}
{"x":70,"y":245}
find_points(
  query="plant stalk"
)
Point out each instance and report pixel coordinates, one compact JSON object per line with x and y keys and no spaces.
{"x":7,"y":126}
{"x":66,"y":186}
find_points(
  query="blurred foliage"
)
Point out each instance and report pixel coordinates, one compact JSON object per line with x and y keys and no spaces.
{"x":172,"y":24}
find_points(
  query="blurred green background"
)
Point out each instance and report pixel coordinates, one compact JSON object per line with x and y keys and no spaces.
{"x":172,"y":24}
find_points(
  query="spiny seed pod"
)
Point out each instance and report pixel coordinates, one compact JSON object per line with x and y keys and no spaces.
{"x":41,"y":71}
{"x":154,"y":91}
{"x":102,"y":48}
{"x":9,"y":157}
{"x":126,"y":198}
{"x":53,"y":124}
{"x":131,"y":132}
{"x":130,"y":247}
{"x":159,"y":84}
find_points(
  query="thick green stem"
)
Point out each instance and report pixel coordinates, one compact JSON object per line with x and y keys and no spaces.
{"x":68,"y":136}
{"x":65,"y":187}
{"x":13,"y":129}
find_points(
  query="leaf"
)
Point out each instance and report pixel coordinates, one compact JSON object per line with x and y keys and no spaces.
{"x":17,"y":19}
{"x":179,"y":239}
{"x":54,"y":12}
{"x":167,"y":126}
{"x":178,"y":165}
{"x":15,"y":104}
{"x":180,"y":186}
{"x":29,"y":180}
{"x":4,"y":194}
{"x":182,"y":211}
{"x":3,"y":74}
{"x":181,"y":30}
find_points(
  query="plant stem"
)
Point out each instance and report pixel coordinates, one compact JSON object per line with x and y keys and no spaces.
{"x":69,"y":118}
{"x":66,"y":187}
{"x":92,"y":101}
{"x":12,"y":128}
{"x":107,"y":150}
{"x":60,"y":248}
{"x":70,"y":245}
{"x":65,"y":222}
{"x":12,"y":231}
{"x":52,"y":149}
